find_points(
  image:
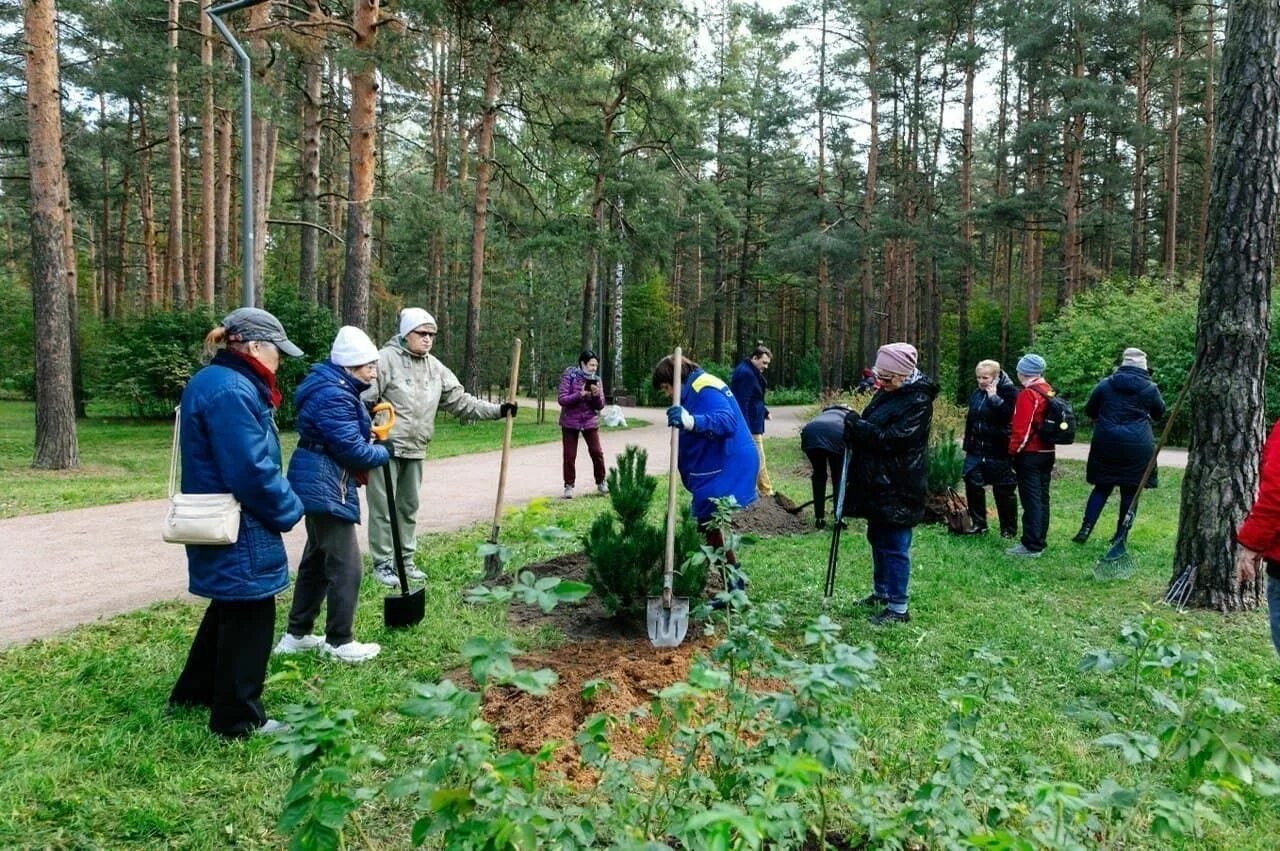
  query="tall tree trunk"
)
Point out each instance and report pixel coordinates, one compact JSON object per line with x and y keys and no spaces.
{"x":439,"y":164}
{"x":480,"y":212}
{"x":1232,"y":326}
{"x":55,"y":444}
{"x":966,"y":210}
{"x":591,"y":283}
{"x":222,"y":214}
{"x":175,"y":265}
{"x":1171,"y":152}
{"x":309,"y":164}
{"x":868,"y":336}
{"x":264,"y":138}
{"x":364,"y":98}
{"x":1142,"y":89}
{"x":1072,"y":174}
{"x":208,"y":167}
{"x":824,"y":277}
{"x":1206,"y":184}
{"x":108,"y":305}
{"x":616,"y":383}
{"x":146,"y":209}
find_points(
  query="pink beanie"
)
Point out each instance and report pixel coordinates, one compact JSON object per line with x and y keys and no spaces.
{"x":898,"y":358}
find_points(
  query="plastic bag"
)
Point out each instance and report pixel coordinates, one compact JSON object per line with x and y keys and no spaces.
{"x":612,"y":416}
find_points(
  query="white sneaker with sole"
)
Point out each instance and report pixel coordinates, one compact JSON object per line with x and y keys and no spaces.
{"x":412,"y":573}
{"x":568,"y":491}
{"x":290,"y":643}
{"x":385,"y":573}
{"x":352,"y":652}
{"x":602,"y":488}
{"x":271,"y":727}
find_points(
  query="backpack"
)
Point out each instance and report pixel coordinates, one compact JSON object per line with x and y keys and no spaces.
{"x":1059,"y":426}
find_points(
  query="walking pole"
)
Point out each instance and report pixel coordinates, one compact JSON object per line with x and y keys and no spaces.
{"x":833,"y":555}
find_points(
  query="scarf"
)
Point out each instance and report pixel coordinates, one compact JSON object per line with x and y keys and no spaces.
{"x":244,"y":363}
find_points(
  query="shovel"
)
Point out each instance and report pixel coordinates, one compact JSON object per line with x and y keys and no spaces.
{"x":493,"y":561}
{"x":833,"y":556}
{"x":407,"y":607}
{"x":666,"y":617}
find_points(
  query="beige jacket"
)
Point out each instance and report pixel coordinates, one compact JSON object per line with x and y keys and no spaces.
{"x":416,"y":386}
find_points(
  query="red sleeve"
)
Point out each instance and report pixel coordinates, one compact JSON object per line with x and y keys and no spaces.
{"x":1261,"y":529}
{"x":1024,"y":416}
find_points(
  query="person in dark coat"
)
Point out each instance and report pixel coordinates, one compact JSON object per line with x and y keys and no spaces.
{"x":581,"y":398}
{"x":986,"y":449}
{"x":1122,"y":406}
{"x":333,"y":457}
{"x":229,"y":444}
{"x":888,"y":473}
{"x":749,"y":385}
{"x":822,"y":441}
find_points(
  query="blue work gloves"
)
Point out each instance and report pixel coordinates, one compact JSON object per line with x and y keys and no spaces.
{"x":508,"y":408}
{"x":678,"y":417}
{"x":851,"y":421}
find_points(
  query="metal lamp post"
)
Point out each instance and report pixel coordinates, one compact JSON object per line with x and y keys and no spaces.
{"x":246,"y":145}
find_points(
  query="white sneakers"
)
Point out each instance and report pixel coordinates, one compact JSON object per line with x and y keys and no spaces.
{"x":602,"y":488}
{"x":272,"y":727}
{"x":298,"y":643}
{"x":385,"y":573}
{"x":352,"y":652}
{"x":568,"y":491}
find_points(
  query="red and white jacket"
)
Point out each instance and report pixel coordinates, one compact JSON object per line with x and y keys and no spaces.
{"x":1028,"y":415}
{"x":1260,"y":531}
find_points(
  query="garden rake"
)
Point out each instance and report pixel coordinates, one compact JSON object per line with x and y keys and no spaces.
{"x":1116,"y":563}
{"x":838,"y":524}
{"x":493,"y":560}
{"x":667,"y":617}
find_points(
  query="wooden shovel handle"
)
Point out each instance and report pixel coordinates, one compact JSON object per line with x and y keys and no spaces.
{"x":669,"y":559}
{"x":506,"y":433}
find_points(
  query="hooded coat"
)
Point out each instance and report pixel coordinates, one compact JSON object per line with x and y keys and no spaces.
{"x":230,"y":444}
{"x":986,"y":426}
{"x":749,"y":385}
{"x":1123,"y":405}
{"x":333,"y":442}
{"x":416,"y":386}
{"x":717,"y":456}
{"x":889,"y":462}
{"x":576,"y":411}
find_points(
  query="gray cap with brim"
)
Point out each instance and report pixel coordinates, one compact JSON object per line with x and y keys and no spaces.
{"x":251,"y":323}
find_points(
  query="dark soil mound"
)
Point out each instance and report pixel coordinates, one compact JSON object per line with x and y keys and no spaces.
{"x":768,"y":517}
{"x":585,"y":620}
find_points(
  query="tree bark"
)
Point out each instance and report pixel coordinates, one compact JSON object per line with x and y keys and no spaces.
{"x":364,"y":97}
{"x":1233,"y":330}
{"x":146,"y":210}
{"x":868,"y":332}
{"x":1138,"y":233}
{"x":1206,"y":186}
{"x":309,"y":164}
{"x":222,"y":259}
{"x":480,"y":211}
{"x":208,"y":167}
{"x":1072,"y":174}
{"x":56,"y":446}
{"x":175,"y":264}
{"x":966,"y":211}
{"x":1171,"y":170}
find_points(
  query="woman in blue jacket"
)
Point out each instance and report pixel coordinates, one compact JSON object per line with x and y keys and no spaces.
{"x":334,"y":455}
{"x":229,"y":444}
{"x":717,"y":455}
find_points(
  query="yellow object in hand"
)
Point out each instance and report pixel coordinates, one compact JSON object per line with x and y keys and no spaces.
{"x":381,"y":430}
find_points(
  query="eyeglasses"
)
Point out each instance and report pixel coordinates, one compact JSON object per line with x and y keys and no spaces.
{"x":888,"y":376}
{"x":423,"y":333}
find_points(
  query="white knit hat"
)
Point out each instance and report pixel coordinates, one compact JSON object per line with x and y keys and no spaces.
{"x":414,"y":317}
{"x":1134,"y":357}
{"x":352,"y":347}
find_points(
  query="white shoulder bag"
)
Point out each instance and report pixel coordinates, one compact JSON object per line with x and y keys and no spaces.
{"x":208,"y":519}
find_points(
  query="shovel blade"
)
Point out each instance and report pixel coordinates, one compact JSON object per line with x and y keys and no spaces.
{"x":667,"y":626}
{"x":404,"y":610}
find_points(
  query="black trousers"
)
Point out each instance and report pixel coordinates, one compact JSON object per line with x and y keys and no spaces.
{"x":823,"y":461}
{"x":1034,"y":469}
{"x":1006,"y":498}
{"x":227,"y":665}
{"x":330,"y":569}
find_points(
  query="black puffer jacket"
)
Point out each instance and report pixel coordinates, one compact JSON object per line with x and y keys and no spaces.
{"x":986,"y":427}
{"x":889,"y":463}
{"x":1123,"y":405}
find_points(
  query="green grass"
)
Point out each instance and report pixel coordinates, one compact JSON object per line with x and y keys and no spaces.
{"x":123,"y":460}
{"x":91,"y":760}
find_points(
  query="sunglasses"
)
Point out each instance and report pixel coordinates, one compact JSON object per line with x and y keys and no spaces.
{"x":423,"y":333}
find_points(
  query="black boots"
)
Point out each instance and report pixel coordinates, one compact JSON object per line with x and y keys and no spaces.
{"x":1083,"y":535}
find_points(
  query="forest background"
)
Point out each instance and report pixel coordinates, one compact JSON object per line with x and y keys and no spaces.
{"x":823,"y":177}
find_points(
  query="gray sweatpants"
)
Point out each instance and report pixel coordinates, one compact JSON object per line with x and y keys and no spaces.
{"x":330,"y":569}
{"x":407,"y":479}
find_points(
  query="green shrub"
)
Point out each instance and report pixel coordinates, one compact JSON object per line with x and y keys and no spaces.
{"x":946,"y":462}
{"x":626,"y":551}
{"x":17,"y":339}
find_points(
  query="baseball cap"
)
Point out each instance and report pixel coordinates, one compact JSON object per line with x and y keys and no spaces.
{"x":251,"y":323}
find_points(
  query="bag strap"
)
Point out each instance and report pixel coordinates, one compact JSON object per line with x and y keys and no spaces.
{"x":173,"y":456}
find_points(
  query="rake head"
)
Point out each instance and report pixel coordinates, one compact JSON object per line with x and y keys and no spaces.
{"x":1116,"y":563}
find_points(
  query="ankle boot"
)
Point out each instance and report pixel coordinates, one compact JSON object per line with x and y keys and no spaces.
{"x":1083,"y":535}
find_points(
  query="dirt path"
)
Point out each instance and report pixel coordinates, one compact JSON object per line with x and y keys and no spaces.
{"x":63,"y":569}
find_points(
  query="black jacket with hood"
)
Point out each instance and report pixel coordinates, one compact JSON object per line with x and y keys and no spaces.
{"x":889,"y":462}
{"x":986,"y":427}
{"x":1123,"y":405}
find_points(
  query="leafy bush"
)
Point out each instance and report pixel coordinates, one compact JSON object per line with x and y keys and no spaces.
{"x":790,"y":396}
{"x":626,"y":551}
{"x":17,"y":339}
{"x":946,"y":462}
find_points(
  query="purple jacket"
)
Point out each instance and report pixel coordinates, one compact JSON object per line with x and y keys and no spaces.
{"x":575,"y":411}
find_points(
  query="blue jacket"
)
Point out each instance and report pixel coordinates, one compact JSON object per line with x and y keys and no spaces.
{"x":1123,"y":405}
{"x":333,"y":442}
{"x":718,"y":457}
{"x":230,"y":444}
{"x":748,"y":386}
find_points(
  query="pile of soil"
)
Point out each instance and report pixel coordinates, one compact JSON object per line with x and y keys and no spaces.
{"x":633,"y":670}
{"x":768,"y":517}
